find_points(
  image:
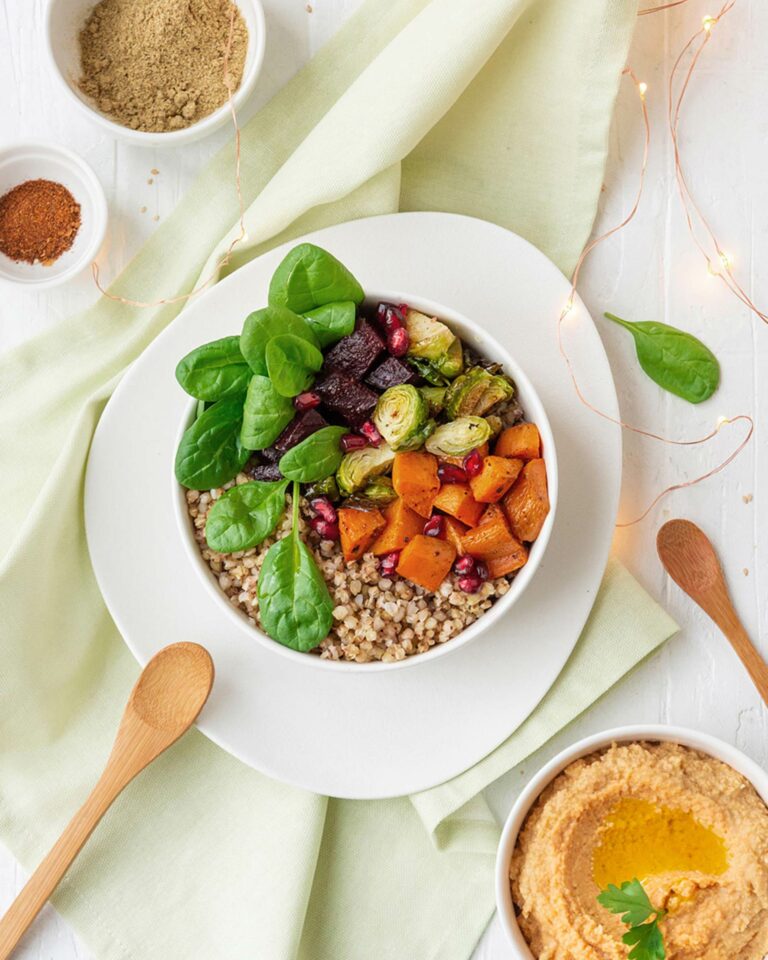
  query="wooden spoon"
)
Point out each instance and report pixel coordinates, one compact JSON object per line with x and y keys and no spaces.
{"x":168,"y":696}
{"x":691,"y":561}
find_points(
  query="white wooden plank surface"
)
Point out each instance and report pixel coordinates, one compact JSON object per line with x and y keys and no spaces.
{"x":651,"y":271}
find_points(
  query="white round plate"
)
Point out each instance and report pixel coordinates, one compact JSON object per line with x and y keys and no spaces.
{"x":354,"y":734}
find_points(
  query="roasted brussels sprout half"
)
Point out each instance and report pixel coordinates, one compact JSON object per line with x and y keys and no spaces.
{"x":359,"y":467}
{"x":496,"y":424}
{"x":459,"y":437}
{"x":402,"y":417}
{"x":325,"y":488}
{"x":379,"y":490}
{"x":475,"y":392}
{"x":435,"y":397}
{"x":434,"y":350}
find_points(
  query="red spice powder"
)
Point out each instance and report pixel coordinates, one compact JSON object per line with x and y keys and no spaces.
{"x":39,"y":220}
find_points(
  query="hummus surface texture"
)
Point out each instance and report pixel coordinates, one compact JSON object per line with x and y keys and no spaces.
{"x":689,"y":827}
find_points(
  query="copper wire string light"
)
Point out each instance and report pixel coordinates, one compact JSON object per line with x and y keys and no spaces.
{"x":641,"y":88}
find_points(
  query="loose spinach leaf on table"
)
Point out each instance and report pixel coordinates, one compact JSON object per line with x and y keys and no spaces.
{"x":295,"y":606}
{"x":215,"y":370}
{"x":292,"y":364}
{"x":265,"y":414}
{"x":210,"y":452}
{"x":332,"y":321}
{"x":674,"y":359}
{"x":262,"y":325}
{"x":315,"y":458}
{"x":245,"y":515}
{"x":310,"y":277}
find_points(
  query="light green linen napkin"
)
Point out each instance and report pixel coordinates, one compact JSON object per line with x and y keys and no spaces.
{"x":498,"y":108}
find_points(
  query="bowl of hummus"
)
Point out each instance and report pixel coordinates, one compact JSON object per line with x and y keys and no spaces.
{"x":679,"y":815}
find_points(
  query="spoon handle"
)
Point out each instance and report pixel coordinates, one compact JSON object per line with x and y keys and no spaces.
{"x":46,"y":877}
{"x":136,"y":745}
{"x":745,"y":649}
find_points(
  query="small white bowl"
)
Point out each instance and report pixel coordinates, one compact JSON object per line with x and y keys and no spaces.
{"x":64,"y":19}
{"x":600,"y":741}
{"x":477,"y":338}
{"x":36,"y":160}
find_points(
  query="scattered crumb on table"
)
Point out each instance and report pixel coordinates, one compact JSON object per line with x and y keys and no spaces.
{"x":143,"y":210}
{"x":151,"y":180}
{"x":156,"y":216}
{"x":154,"y":171}
{"x":747,"y":498}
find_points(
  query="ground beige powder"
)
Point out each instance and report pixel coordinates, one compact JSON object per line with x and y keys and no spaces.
{"x":158,"y":65}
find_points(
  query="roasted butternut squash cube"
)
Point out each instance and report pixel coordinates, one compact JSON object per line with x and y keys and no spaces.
{"x":426,"y":561}
{"x":414,"y":477}
{"x":402,"y":525}
{"x":522,"y":441}
{"x":456,"y":499}
{"x":527,"y":503}
{"x":453,"y":531}
{"x":358,"y":529}
{"x":506,"y":563}
{"x":495,"y":478}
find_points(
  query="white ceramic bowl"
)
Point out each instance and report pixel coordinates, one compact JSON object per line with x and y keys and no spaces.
{"x":486,"y":345}
{"x":65,"y":18}
{"x":688,"y":738}
{"x":35,"y":160}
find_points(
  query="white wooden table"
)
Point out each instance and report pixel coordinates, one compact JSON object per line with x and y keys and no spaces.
{"x":650,"y":271}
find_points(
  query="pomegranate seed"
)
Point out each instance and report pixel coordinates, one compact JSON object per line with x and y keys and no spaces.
{"x":434,"y":526}
{"x":352,"y":441}
{"x":307,"y":401}
{"x":404,"y":308}
{"x":464,"y":566}
{"x":481,"y":570}
{"x":473,"y":463}
{"x":390,"y":316}
{"x":398,"y":342}
{"x":328,"y":531}
{"x":371,"y":434}
{"x":324,"y":508}
{"x":470,"y":584}
{"x":449,"y":473}
{"x":388,"y":563}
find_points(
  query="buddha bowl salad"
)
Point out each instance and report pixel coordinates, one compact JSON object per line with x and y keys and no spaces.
{"x":362,"y":484}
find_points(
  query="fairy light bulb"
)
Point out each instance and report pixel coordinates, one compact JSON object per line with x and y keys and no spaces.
{"x":708,"y":23}
{"x":642,"y":89}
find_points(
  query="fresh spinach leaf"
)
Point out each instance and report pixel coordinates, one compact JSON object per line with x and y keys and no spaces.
{"x":292,"y":364}
{"x":315,"y":458}
{"x":310,"y":277}
{"x":210,"y":452}
{"x":245,"y":515}
{"x":265,"y":415}
{"x":674,"y":359}
{"x":295,"y":606}
{"x":332,"y":321}
{"x":262,"y":325}
{"x":215,"y":370}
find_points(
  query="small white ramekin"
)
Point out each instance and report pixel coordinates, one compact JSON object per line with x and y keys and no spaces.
{"x":36,"y":160}
{"x":653,"y":733}
{"x":479,"y":339}
{"x":64,"y":19}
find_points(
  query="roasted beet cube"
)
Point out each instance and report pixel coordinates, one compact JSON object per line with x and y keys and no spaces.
{"x":263,"y":471}
{"x":301,"y":427}
{"x":350,"y":400}
{"x":391,"y":373}
{"x":355,"y":354}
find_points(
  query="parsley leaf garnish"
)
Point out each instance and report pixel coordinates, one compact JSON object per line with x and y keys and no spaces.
{"x":636,"y":910}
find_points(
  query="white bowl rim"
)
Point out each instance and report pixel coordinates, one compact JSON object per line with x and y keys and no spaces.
{"x":687,"y":737}
{"x":150,"y":138}
{"x":502,"y":606}
{"x":99,"y":229}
